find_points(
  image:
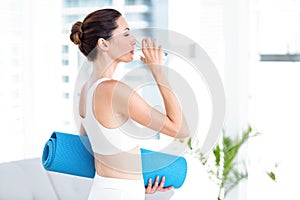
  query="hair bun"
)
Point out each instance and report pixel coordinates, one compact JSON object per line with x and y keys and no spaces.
{"x":76,"y":33}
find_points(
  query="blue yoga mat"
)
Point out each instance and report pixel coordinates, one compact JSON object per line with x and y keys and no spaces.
{"x":72,"y":154}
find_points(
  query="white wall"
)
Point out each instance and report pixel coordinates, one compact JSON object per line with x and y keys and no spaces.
{"x":274,"y":110}
{"x":274,"y":103}
{"x":38,"y":43}
{"x":201,"y":22}
{"x":221,"y":28}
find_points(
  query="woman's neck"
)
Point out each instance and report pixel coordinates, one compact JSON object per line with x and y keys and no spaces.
{"x":103,"y":68}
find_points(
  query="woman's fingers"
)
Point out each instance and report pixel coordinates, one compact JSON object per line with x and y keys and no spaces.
{"x":161,"y":187}
{"x":149,"y":187}
{"x":148,"y":42}
{"x":160,"y":50}
{"x":162,"y":183}
{"x":157,"y":186}
{"x":152,"y":52}
{"x":145,"y":48}
{"x":155,"y":48}
{"x":154,"y":43}
{"x":143,"y":59}
{"x":166,"y":189}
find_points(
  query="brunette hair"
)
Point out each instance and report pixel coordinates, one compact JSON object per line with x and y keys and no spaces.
{"x":98,"y":24}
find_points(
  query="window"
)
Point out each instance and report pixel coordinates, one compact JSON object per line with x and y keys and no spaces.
{"x":66,"y":95}
{"x":65,"y":49}
{"x":34,"y":71}
{"x":139,"y":13}
{"x":65,"y":79}
{"x":65,"y":62}
{"x":278,"y":30}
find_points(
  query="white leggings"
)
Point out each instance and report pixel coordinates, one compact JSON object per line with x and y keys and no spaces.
{"x":104,"y":188}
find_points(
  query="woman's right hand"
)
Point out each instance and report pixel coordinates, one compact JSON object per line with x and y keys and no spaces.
{"x":153,"y":54}
{"x":151,"y":189}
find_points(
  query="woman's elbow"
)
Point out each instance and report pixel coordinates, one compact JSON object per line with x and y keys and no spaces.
{"x":184,"y":129}
{"x":184,"y":132}
{"x":177,"y":130}
{"x":182,"y":135}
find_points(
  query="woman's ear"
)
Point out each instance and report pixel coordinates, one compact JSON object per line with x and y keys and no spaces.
{"x":103,"y":44}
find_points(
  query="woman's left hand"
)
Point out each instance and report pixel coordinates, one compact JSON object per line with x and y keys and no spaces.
{"x":153,"y":54}
{"x":157,"y":187}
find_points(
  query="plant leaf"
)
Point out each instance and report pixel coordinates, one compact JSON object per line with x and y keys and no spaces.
{"x":217,"y":153}
{"x":189,"y":143}
{"x":272,"y":175}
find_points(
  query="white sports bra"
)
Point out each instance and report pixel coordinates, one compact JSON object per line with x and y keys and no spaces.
{"x":105,"y":141}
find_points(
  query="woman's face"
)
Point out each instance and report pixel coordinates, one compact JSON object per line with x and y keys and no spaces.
{"x":122,"y":42}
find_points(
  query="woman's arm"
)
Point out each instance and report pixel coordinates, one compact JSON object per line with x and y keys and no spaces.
{"x":131,"y":104}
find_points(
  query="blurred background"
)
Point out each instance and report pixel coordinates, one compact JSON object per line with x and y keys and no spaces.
{"x":255,"y":45}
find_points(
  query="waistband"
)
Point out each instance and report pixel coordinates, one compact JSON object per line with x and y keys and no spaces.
{"x":117,"y":183}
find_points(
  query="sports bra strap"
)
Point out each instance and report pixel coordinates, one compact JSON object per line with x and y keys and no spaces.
{"x":90,"y":96}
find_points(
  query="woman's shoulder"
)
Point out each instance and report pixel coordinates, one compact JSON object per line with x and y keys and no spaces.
{"x":114,"y":89}
{"x":112,"y":85}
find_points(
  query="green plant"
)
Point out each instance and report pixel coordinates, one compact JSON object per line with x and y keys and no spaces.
{"x":223,"y":166}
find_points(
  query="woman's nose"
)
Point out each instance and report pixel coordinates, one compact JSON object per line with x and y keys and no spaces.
{"x":133,"y":40}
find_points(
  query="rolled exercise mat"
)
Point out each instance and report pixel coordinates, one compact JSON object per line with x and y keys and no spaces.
{"x":173,"y":168}
{"x":69,"y":154}
{"x":72,"y":154}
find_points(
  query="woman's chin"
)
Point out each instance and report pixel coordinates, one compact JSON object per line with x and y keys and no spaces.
{"x":127,"y":60}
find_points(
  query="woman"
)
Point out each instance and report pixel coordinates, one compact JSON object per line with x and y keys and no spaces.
{"x":106,"y":105}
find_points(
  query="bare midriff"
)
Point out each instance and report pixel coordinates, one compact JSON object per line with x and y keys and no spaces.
{"x":125,"y":165}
